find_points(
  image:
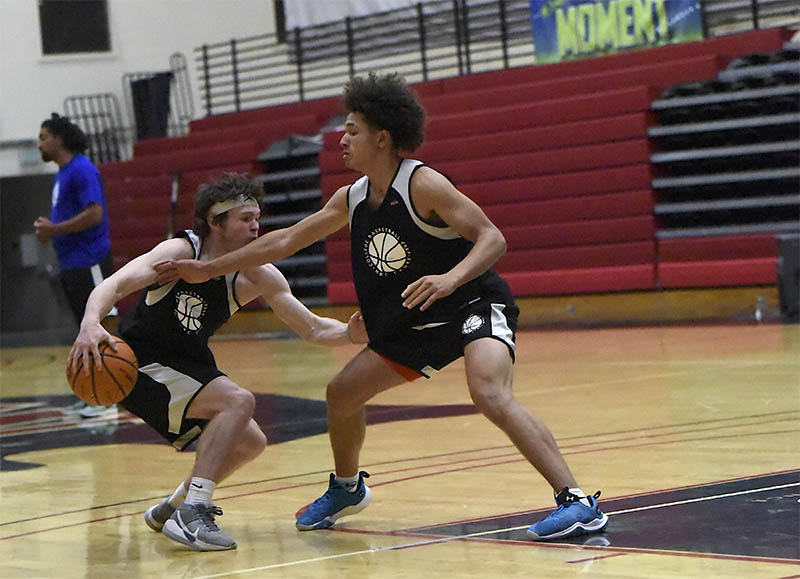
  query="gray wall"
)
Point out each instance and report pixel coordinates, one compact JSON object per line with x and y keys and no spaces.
{"x":33,"y":308}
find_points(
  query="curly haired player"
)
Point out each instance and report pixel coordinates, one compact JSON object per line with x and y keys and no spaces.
{"x":422,"y":254}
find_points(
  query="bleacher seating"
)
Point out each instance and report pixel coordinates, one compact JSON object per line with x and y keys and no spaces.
{"x":727,"y":175}
{"x":560,"y":156}
{"x":559,"y":159}
{"x":140,"y":191}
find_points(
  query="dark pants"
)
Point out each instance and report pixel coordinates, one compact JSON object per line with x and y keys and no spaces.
{"x":78,"y":283}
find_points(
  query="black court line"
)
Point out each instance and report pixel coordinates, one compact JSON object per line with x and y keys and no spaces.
{"x":755,"y":517}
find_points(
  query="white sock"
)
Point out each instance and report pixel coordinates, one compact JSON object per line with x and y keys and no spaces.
{"x":350,"y":483}
{"x":581,"y":495}
{"x":178,"y":496}
{"x":200,"y":491}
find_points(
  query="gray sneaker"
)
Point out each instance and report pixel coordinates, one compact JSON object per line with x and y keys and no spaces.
{"x":157,"y":515}
{"x":194,"y":526}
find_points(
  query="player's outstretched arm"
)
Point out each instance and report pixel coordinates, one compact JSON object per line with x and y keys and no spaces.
{"x":267,"y":248}
{"x":133,"y":276}
{"x":270,"y":284}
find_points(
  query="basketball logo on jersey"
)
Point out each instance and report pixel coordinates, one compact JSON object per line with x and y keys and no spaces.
{"x":472,"y":324}
{"x":189,"y":308}
{"x":385,"y":252}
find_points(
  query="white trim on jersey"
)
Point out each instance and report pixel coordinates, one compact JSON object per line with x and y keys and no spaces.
{"x":402,"y":184}
{"x":230,"y":280}
{"x":156,"y":295}
{"x":182,"y":389}
{"x":355,"y":195}
{"x":196,"y":242}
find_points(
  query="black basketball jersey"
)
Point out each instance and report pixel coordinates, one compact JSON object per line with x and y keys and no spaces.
{"x":180,"y":317}
{"x":391,"y":247}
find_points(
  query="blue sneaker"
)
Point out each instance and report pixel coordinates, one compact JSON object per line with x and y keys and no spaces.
{"x":336,"y":502}
{"x":572,"y":518}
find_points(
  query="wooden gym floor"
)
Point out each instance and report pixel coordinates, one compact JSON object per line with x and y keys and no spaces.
{"x":691,"y":432}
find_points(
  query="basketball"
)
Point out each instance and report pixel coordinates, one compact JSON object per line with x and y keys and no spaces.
{"x":113,"y":383}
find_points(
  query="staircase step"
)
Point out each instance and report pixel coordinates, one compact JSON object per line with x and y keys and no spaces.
{"x":287,"y":196}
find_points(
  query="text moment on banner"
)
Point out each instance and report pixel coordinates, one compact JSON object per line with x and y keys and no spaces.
{"x":569,"y":29}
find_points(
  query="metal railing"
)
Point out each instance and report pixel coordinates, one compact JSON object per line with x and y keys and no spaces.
{"x":428,"y":41}
{"x":111,"y":135}
{"x":181,"y":102}
{"x":722,"y":17}
{"x":99,"y":117}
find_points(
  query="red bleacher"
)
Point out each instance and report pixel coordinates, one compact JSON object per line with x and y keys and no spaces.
{"x":718,"y":261}
{"x":557,"y":155}
{"x":139,"y":191}
{"x":558,"y":158}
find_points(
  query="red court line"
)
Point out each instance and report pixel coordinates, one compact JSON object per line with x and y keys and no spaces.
{"x":62,"y":425}
{"x":59,"y":527}
{"x":437,"y":473}
{"x":31,"y":416}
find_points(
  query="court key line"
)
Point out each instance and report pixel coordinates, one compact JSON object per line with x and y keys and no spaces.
{"x":427,"y":542}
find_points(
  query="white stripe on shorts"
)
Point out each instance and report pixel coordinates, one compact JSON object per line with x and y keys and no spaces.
{"x":181,"y":390}
{"x":500,"y":327}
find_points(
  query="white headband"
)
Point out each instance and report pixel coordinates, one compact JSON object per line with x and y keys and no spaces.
{"x":222,"y":206}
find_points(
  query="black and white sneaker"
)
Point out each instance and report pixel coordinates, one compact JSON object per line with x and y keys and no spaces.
{"x":157,"y":515}
{"x":194,"y":526}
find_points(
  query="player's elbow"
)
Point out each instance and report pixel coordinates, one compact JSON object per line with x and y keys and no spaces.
{"x":499,"y":241}
{"x":94,"y":214}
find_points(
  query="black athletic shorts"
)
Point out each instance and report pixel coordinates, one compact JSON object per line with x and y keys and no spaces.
{"x":78,"y":283}
{"x":427,"y":349}
{"x":163,"y":392}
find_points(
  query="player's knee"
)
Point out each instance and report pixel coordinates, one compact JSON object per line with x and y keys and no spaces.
{"x":338,"y":399}
{"x":492,"y":401}
{"x":243,"y":402}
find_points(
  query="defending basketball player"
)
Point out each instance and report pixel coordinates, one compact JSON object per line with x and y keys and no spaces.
{"x":180,"y":392}
{"x":422,"y":254}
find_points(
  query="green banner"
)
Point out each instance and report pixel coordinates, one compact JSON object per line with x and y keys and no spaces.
{"x":570,"y":29}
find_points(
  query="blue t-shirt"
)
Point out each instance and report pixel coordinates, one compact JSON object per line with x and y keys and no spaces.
{"x":76,"y":186}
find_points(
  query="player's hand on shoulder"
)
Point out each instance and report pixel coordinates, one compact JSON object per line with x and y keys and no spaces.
{"x":173,"y":267}
{"x":87,"y":347}
{"x":356,"y":328}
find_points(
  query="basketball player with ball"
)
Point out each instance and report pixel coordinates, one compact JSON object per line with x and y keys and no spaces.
{"x":422,"y":254}
{"x":179,"y":391}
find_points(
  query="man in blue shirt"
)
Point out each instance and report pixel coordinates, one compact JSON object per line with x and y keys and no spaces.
{"x":78,"y":222}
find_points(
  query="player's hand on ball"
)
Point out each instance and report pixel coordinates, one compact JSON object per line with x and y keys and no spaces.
{"x":87,"y":343}
{"x":427,"y":290}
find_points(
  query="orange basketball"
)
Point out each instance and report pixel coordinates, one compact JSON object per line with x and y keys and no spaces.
{"x":113,"y":383}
